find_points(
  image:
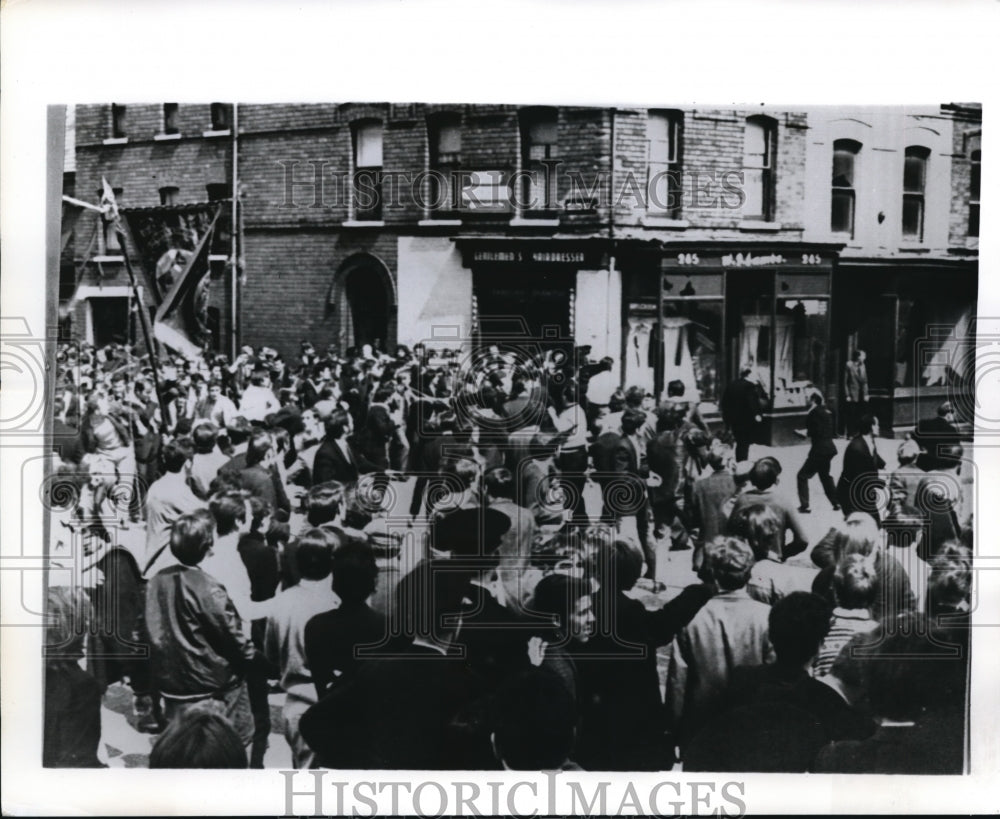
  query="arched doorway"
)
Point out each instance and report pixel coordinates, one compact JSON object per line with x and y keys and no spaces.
{"x":364,"y":300}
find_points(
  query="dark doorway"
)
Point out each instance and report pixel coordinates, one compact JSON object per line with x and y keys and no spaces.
{"x":110,"y":319}
{"x":369,"y":304}
{"x":526,"y":304}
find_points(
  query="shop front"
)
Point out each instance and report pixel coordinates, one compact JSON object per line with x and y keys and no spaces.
{"x":723,"y":308}
{"x":914,"y":319}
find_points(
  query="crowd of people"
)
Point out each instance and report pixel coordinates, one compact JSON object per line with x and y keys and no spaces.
{"x":236,"y":531}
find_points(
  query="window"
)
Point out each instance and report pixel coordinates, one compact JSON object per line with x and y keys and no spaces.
{"x":845,"y":154}
{"x":663,"y":137}
{"x":170,"y":118}
{"x":110,"y":243}
{"x":222,"y":116}
{"x":914,"y":182}
{"x":445,"y":135}
{"x":217,"y":191}
{"x":118,"y":122}
{"x":539,"y":129}
{"x":170,"y":195}
{"x":975,"y":160}
{"x":367,"y":170}
{"x":760,"y":142}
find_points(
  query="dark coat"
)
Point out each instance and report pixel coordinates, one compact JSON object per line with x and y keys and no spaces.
{"x":741,"y":406}
{"x":860,"y":470}
{"x":819,"y":428}
{"x":331,"y":465}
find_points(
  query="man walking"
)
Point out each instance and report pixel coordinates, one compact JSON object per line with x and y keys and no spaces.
{"x":819,"y":428}
{"x":741,"y":410}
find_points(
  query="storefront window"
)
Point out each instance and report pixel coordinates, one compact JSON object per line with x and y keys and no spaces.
{"x":800,"y":349}
{"x":932,"y":347}
{"x":692,"y":347}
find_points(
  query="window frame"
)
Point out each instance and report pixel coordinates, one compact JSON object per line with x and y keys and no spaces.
{"x":119,"y":121}
{"x":219,"y":123}
{"x":374,"y":212}
{"x":529,"y":119}
{"x":446,"y":164}
{"x":171,"y":113}
{"x":918,"y":197}
{"x":769,"y":128}
{"x":671,"y":165}
{"x":852,"y":148}
{"x":975,"y":190}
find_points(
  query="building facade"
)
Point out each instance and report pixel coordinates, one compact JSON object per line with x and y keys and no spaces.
{"x":687,"y":244}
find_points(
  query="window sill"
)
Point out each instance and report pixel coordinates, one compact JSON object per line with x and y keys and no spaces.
{"x":665,"y":222}
{"x":210,"y":133}
{"x":354,"y":223}
{"x":165,"y":137}
{"x":517,"y":221}
{"x":103,"y":258}
{"x":439,"y":223}
{"x":116,"y":141}
{"x":752,"y":225}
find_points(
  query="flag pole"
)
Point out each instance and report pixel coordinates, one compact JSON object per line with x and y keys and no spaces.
{"x":144,"y":323}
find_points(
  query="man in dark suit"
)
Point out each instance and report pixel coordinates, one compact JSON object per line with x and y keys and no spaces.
{"x":937,"y":435}
{"x":819,"y":428}
{"x":337,"y":459}
{"x":857,"y":489}
{"x":855,"y":391}
{"x":741,"y":411}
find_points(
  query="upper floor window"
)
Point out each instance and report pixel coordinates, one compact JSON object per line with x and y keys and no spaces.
{"x":170,"y":125}
{"x":367,"y":136}
{"x":217,"y":191}
{"x":663,"y":136}
{"x":445,"y":136}
{"x":975,"y":169}
{"x":539,"y":148}
{"x":119,"y":124}
{"x":759,"y":157}
{"x":170,"y":195}
{"x":842,"y":198}
{"x":914,"y":184}
{"x":222,"y":116}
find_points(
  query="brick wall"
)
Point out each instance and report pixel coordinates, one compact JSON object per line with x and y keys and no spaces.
{"x":966,"y":137}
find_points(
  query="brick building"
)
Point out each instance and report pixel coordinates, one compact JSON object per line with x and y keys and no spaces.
{"x":395,"y":223}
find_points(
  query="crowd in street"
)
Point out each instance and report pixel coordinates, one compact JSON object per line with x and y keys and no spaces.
{"x":273,"y":555}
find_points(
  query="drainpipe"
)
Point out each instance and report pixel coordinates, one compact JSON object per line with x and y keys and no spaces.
{"x":611,"y":243}
{"x":234,"y":330}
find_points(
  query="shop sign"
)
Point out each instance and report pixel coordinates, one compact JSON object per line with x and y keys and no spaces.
{"x":769,"y":260}
{"x":530,"y":256}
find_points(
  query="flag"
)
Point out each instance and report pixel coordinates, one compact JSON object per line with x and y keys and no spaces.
{"x":109,"y":207}
{"x":181,"y":320}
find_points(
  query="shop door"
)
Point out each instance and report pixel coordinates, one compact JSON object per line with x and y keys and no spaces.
{"x":875,"y":333}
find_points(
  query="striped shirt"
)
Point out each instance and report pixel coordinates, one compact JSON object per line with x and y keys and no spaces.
{"x":844,"y":626}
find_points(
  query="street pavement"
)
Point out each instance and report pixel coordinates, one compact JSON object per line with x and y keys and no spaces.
{"x":123,"y":746}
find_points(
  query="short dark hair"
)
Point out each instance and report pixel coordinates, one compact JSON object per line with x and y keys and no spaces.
{"x":764,"y":474}
{"x":337,"y":424}
{"x":729,"y":561}
{"x":323,"y":503}
{"x":556,"y":595}
{"x":499,"y":482}
{"x":632,"y":420}
{"x":816,"y":397}
{"x":616,"y":401}
{"x":616,"y":565}
{"x":199,"y":738}
{"x":204,"y":435}
{"x":866,"y":424}
{"x":260,"y":445}
{"x":797,"y":625}
{"x":634,"y":396}
{"x":313,"y":554}
{"x":191,"y":537}
{"x":758,"y":525}
{"x":176,"y":453}
{"x":228,"y":508}
{"x":675,"y":389}
{"x":855,"y":582}
{"x":239,"y":429}
{"x":534,"y":721}
{"x":355,"y":572}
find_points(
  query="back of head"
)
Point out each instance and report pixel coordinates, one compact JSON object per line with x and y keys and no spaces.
{"x":797,"y":625}
{"x":632,"y":420}
{"x":337,"y":425}
{"x":314,"y":553}
{"x":199,"y":738}
{"x":728,"y":561}
{"x":758,"y":525}
{"x":556,"y":595}
{"x":675,"y":389}
{"x":229,"y":509}
{"x":617,"y":565}
{"x":765,"y":473}
{"x":534,"y":721}
{"x":259,"y":447}
{"x":204,"y":436}
{"x":855,"y":582}
{"x":355,"y":571}
{"x":616,"y":403}
{"x":634,"y":396}
{"x":192,"y":536}
{"x":499,"y":482}
{"x":239,"y":429}
{"x":323,"y":503}
{"x":176,"y":453}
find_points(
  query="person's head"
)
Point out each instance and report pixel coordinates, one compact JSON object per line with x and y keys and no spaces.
{"x":632,"y":420}
{"x":338,"y":425}
{"x":616,"y":402}
{"x":192,"y":536}
{"x":238,"y":430}
{"x":758,"y":525}
{"x":199,"y":738}
{"x":355,"y":571}
{"x":765,"y":473}
{"x":816,"y":398}
{"x":499,"y":483}
{"x":616,"y":565}
{"x":229,"y":509}
{"x":855,"y":582}
{"x":746,"y":373}
{"x":567,"y":600}
{"x":571,"y":394}
{"x":259,"y":378}
{"x":323,"y":503}
{"x":861,"y":534}
{"x":858,"y":356}
{"x":314,"y":553}
{"x":534,"y":721}
{"x":728,"y":562}
{"x":908,"y":452}
{"x":260,"y":448}
{"x":675,"y":389}
{"x":312,"y":429}
{"x":634,"y":396}
{"x":868,"y":425}
{"x":947,"y":411}
{"x":204,"y":435}
{"x":949,"y":584}
{"x":467,"y":472}
{"x":176,"y":454}
{"x":797,"y":625}
{"x":720,"y":453}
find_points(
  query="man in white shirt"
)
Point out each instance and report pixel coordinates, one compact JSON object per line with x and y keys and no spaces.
{"x":167,"y":500}
{"x":258,"y":400}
